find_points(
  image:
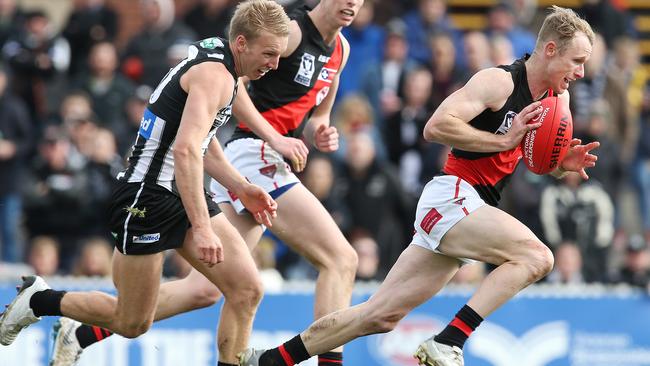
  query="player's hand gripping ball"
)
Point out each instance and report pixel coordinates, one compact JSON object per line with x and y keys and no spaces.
{"x":545,"y":147}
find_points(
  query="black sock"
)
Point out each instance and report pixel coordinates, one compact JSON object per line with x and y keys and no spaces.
{"x":330,"y":359}
{"x":459,"y":329}
{"x":46,"y":302}
{"x":89,"y":334}
{"x":225,"y":364}
{"x":290,"y":353}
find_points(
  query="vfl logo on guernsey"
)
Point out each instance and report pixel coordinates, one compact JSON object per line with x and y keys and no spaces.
{"x":507,"y":123}
{"x":146,"y":238}
{"x":539,"y":346}
{"x":146,"y":124}
{"x":306,"y":70}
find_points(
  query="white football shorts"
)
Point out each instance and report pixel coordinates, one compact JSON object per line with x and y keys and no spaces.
{"x":445,"y":201}
{"x":259,"y":163}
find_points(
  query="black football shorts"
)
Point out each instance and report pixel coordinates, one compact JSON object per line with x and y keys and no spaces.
{"x":148,"y":219}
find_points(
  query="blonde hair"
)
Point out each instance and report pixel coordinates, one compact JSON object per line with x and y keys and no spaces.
{"x":252,"y":17}
{"x":561,"y":25}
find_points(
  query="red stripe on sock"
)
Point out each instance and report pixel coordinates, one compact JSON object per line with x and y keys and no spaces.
{"x":98,"y":333}
{"x":321,"y":359}
{"x":286,"y":356}
{"x":462,"y":326}
{"x":106,"y":332}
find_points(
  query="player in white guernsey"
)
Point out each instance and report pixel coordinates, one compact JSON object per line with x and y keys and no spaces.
{"x":161,"y":202}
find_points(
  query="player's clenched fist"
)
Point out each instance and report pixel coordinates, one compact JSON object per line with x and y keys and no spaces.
{"x":326,"y":138}
{"x":206,"y":246}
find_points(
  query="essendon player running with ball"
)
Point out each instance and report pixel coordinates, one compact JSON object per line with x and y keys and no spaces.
{"x":456,"y":220}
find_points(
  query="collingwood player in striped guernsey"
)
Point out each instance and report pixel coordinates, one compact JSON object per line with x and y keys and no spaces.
{"x":161,"y":203}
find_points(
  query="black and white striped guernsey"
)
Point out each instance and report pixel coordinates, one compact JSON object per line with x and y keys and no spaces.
{"x":152,"y":159}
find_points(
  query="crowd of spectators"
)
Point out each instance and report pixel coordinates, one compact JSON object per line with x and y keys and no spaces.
{"x":71,"y":102}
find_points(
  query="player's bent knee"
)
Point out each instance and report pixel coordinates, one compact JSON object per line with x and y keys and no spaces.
{"x":540,"y":260}
{"x":382,"y":321}
{"x":206,"y":296}
{"x":246,"y":297}
{"x":344,"y":262}
{"x":349,"y":262}
{"x":134,"y":329}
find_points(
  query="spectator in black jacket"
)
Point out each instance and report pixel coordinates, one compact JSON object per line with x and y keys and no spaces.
{"x":90,"y":21}
{"x":378,"y":204}
{"x":56,"y":194}
{"x":36,"y":58}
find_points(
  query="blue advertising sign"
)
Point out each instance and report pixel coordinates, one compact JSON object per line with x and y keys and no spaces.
{"x":601,"y":330}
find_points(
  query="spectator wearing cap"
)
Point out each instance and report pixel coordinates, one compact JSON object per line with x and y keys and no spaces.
{"x":636,"y":266}
{"x":56,"y":193}
{"x":16,"y":139}
{"x":37,"y":59}
{"x":502,"y":21}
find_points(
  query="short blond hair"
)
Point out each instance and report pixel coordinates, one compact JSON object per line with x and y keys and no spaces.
{"x":252,"y":17}
{"x":561,"y":25}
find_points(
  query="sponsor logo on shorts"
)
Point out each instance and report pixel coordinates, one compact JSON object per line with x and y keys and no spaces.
{"x":430,"y":220}
{"x":146,"y":238}
{"x":460,"y":201}
{"x":269,"y":171}
{"x":306,"y":70}
{"x":136,"y":211}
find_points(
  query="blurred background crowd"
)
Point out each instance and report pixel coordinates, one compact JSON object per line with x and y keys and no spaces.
{"x":75,"y":76}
